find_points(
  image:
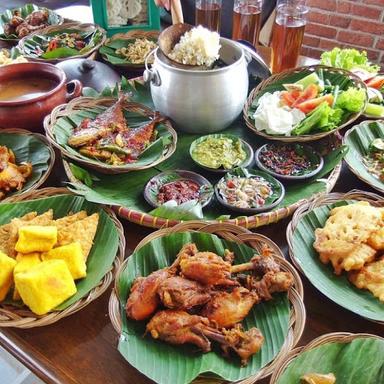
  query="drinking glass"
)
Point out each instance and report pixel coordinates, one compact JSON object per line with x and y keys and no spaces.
{"x":287,"y":34}
{"x":246,"y":20}
{"x":208,"y":14}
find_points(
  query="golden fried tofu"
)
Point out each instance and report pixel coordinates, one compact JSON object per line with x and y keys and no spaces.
{"x":7,"y":264}
{"x":5,"y":231}
{"x":376,"y":240}
{"x":25,"y":262}
{"x":45,"y":286}
{"x":370,"y":277}
{"x":73,"y":256}
{"x":356,"y":259}
{"x":42,"y":220}
{"x":36,"y":238}
{"x":82,"y":231}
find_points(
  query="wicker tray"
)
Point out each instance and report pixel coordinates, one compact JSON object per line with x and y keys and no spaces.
{"x":45,"y":175}
{"x":303,"y":138}
{"x":21,"y":317}
{"x":240,"y":235}
{"x":254,"y":221}
{"x":57,"y":28}
{"x":372,"y":198}
{"x":337,"y":337}
{"x":88,"y":102}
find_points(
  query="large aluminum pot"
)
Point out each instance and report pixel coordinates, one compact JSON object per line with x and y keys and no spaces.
{"x":200,"y":101}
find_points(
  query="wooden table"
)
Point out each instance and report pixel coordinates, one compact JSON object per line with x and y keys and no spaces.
{"x":81,"y":349}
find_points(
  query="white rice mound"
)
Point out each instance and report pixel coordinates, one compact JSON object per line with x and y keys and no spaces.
{"x":199,"y":46}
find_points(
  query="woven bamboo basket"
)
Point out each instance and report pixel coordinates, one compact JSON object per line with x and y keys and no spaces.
{"x":41,"y":181}
{"x":130,"y":35}
{"x":302,"y":138}
{"x":353,"y":169}
{"x":89,"y":102}
{"x":240,"y":235}
{"x":373,"y":198}
{"x":21,"y":317}
{"x":336,"y":337}
{"x":254,"y":221}
{"x":85,"y":27}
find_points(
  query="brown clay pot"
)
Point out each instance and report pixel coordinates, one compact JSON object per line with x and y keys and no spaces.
{"x":29,"y":114}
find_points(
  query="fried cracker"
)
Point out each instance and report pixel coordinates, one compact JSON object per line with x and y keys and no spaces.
{"x":44,"y":219}
{"x":376,"y":240}
{"x":82,"y":231}
{"x":69,"y":220}
{"x":370,"y":277}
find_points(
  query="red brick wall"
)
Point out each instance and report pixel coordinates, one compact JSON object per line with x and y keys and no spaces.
{"x":356,"y":23}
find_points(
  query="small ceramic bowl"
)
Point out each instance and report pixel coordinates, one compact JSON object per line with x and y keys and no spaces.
{"x":245,"y":146}
{"x":271,"y":202}
{"x":313,"y":156}
{"x":153,"y":186}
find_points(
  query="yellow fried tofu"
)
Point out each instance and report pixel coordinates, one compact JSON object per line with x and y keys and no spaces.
{"x":45,"y":286}
{"x":5,"y":234}
{"x":82,"y":231}
{"x":376,"y":240}
{"x":25,"y":262}
{"x":72,"y":254}
{"x":370,"y":277}
{"x":43,"y":220}
{"x":36,"y":238}
{"x":7,"y":264}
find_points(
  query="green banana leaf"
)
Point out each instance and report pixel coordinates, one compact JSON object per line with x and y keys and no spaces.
{"x":357,"y":362}
{"x":358,"y":140}
{"x":28,"y":148}
{"x":25,"y":10}
{"x":36,"y":45}
{"x":65,"y":126}
{"x":336,"y":288}
{"x":108,"y":51}
{"x":105,"y":245}
{"x":160,"y":361}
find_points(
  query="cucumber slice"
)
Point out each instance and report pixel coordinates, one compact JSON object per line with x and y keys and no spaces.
{"x":312,"y":78}
{"x":374,"y":110}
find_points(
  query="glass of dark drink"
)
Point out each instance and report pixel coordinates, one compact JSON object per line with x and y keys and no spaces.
{"x":208,"y":14}
{"x":287,"y":34}
{"x":246,"y":20}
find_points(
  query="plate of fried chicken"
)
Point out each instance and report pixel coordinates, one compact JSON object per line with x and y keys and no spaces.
{"x":192,"y":304}
{"x":26,"y":160}
{"x":20,"y":22}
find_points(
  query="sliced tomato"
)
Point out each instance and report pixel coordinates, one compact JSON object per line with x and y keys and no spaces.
{"x":286,"y":98}
{"x":375,"y":82}
{"x":310,"y":105}
{"x":309,"y":93}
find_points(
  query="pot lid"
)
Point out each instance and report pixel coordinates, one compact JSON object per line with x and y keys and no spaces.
{"x":91,"y":73}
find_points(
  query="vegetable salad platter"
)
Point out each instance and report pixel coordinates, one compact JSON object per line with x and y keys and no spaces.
{"x":305,"y":104}
{"x":232,"y":177}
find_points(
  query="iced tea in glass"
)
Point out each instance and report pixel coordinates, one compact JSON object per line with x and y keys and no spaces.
{"x":287,"y":34}
{"x":208,"y":14}
{"x":246,"y":20}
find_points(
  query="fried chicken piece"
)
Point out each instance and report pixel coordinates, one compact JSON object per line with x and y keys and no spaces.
{"x":270,"y":283}
{"x":187,"y":250}
{"x":229,"y":308}
{"x":259,"y":265}
{"x":143,"y":299}
{"x":243,"y":343}
{"x":207,"y":268}
{"x":179,"y":293}
{"x":370,"y":277}
{"x":37,"y":18}
{"x":179,"y":327}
